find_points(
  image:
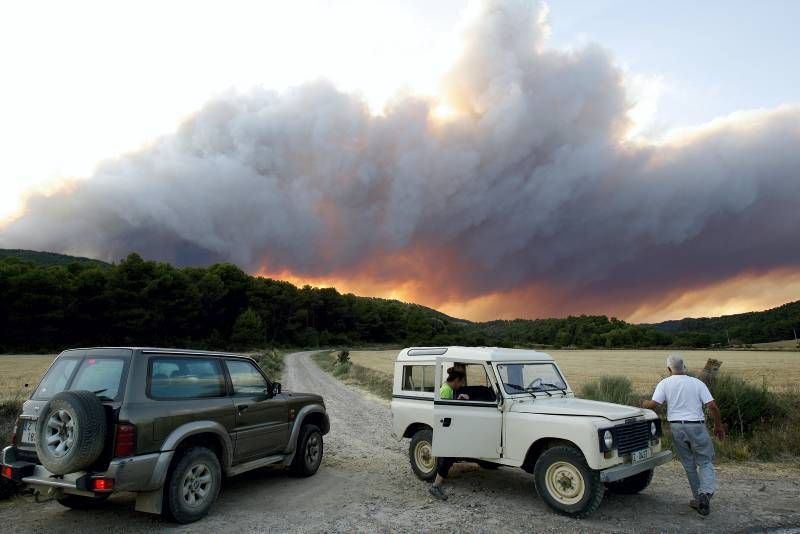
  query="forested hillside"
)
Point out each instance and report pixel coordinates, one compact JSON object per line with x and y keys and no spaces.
{"x":48,"y":302}
{"x":753,"y":327}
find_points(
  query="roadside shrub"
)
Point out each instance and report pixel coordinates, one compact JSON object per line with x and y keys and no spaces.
{"x":9,"y":409}
{"x":616,"y":389}
{"x":341,"y":368}
{"x":745,"y":408}
{"x":343,"y":356}
{"x":271,"y":362}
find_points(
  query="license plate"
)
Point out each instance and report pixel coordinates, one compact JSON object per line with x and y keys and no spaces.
{"x":638,"y":456}
{"x":29,"y":432}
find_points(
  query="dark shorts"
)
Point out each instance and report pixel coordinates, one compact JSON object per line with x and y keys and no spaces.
{"x":443,"y":466}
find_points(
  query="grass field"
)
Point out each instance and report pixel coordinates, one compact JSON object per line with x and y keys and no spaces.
{"x":789,"y":344}
{"x":780,"y":371}
{"x":16,"y":370}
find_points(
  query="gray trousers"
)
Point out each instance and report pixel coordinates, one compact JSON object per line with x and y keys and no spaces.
{"x":696,"y":452}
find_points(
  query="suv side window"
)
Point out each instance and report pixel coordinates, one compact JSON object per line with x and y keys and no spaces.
{"x":418,"y":378}
{"x":246,"y":379}
{"x":185,"y":378}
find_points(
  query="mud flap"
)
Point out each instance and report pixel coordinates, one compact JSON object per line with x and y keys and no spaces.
{"x":150,"y":502}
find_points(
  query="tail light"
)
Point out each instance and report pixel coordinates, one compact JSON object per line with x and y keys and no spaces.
{"x":125,"y":441}
{"x":8,"y":472}
{"x":102,"y":484}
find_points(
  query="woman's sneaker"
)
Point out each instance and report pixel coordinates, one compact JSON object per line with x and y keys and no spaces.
{"x":437,"y":492}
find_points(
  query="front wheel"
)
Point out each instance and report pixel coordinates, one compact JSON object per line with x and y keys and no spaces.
{"x":420,"y":454}
{"x":631,"y":485}
{"x":193,"y":485}
{"x":566,"y":483}
{"x":308,"y":455}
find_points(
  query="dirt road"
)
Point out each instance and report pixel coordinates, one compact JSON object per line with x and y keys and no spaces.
{"x":365,"y":484}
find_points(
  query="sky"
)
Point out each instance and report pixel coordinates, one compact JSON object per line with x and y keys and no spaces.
{"x":93,"y":87}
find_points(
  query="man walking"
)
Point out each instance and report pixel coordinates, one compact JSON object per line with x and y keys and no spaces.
{"x":685,"y":397}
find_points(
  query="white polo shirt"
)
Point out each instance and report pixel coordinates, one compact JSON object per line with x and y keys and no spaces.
{"x":685,"y":397}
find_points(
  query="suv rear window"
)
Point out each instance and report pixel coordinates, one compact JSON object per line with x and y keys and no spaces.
{"x":56,"y":379}
{"x":185,"y":378}
{"x":101,"y":375}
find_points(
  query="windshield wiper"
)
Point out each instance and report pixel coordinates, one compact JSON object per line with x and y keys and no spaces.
{"x":562,"y":390}
{"x":531,"y":390}
{"x":102,"y":397}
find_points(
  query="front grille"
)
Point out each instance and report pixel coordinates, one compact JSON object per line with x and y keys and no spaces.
{"x":631,"y":437}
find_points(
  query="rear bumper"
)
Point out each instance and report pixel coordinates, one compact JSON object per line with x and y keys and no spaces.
{"x":626,"y":470}
{"x":135,"y":473}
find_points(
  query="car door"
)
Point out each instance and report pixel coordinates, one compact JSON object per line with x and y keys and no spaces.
{"x":466,"y":428}
{"x":262,"y":421}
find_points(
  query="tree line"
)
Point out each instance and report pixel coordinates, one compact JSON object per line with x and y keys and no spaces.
{"x":46,"y":307}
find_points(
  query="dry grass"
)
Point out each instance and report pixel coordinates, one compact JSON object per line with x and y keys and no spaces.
{"x":16,"y":370}
{"x":779,"y":370}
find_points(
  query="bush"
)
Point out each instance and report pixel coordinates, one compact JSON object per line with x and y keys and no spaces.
{"x":341,"y":368}
{"x":343,"y":356}
{"x":745,"y":408}
{"x":616,"y":389}
{"x":271,"y":362}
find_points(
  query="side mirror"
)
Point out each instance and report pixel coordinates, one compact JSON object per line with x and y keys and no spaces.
{"x":275,"y":389}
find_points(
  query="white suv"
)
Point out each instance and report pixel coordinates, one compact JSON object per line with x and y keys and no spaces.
{"x":522,"y":413}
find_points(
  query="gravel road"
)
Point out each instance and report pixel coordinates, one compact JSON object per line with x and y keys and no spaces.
{"x":366,"y":484}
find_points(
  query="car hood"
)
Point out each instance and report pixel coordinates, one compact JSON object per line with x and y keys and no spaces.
{"x":577,"y":407}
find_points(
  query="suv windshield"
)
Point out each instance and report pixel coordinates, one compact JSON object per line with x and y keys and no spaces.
{"x":531,"y":377}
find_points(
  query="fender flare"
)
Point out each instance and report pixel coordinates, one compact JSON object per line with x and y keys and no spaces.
{"x":184,"y":431}
{"x":304,"y":412}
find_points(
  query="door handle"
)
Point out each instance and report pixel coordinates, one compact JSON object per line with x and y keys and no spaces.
{"x":242,"y":407}
{"x":446,"y":422}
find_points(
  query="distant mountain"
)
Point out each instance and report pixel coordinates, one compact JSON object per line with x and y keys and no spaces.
{"x":139,"y":301}
{"x":775,"y":324}
{"x":47,"y":258}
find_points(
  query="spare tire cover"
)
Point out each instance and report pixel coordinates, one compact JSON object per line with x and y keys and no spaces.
{"x":71,"y":432}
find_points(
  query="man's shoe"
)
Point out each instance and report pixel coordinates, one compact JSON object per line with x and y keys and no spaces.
{"x":703,"y":504}
{"x":437,"y":492}
{"x":693,"y":504}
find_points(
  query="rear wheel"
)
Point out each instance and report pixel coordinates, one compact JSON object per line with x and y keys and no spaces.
{"x":420,"y":453}
{"x":81,"y":502}
{"x":631,"y":485}
{"x":566,"y":483}
{"x":192,"y":485}
{"x":308,"y":456}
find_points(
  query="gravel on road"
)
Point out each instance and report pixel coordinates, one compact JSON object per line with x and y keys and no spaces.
{"x":365,"y":484}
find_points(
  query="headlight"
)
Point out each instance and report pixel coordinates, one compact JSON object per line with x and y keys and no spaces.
{"x":608,"y":439}
{"x":653,"y":429}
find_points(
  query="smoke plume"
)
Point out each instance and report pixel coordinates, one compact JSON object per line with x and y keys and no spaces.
{"x":529,"y":188}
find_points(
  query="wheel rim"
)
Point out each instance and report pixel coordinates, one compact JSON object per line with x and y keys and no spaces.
{"x":60,"y":433}
{"x":423,"y":456}
{"x":197,"y":484}
{"x":313,"y":449}
{"x":565,"y":483}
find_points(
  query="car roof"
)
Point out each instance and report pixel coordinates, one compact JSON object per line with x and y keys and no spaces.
{"x":165,"y":350}
{"x":469,"y":354}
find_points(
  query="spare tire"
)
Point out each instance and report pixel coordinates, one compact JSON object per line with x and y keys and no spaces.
{"x":71,"y":432}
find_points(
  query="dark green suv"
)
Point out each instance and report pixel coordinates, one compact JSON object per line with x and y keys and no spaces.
{"x":166,"y":424}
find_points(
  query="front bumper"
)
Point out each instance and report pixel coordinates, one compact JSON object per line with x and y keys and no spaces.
{"x":135,"y":473}
{"x":627,"y":470}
